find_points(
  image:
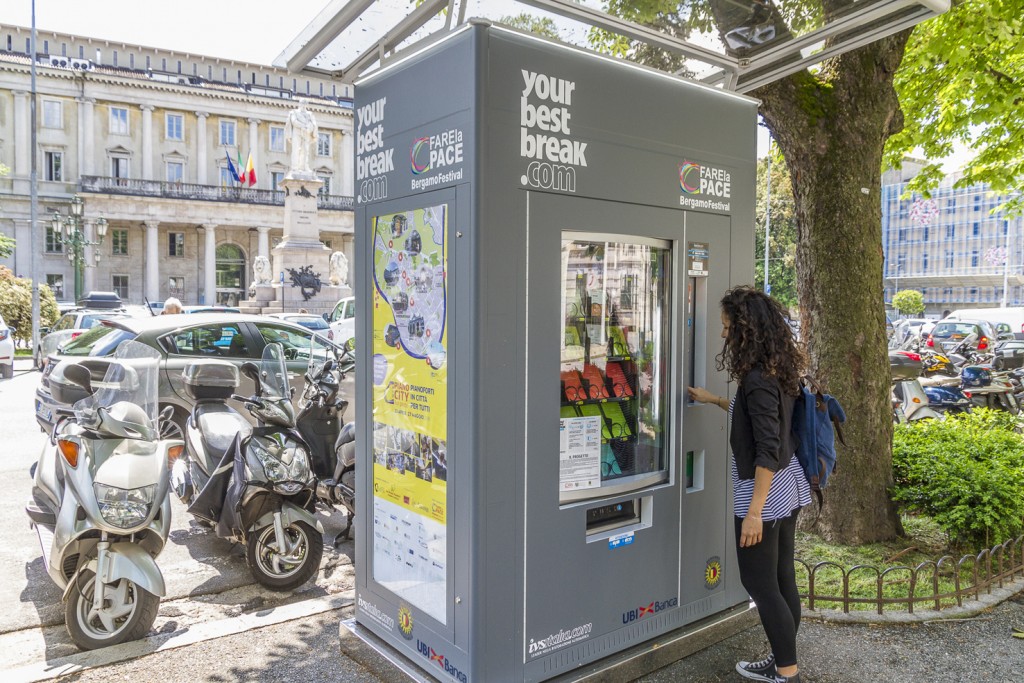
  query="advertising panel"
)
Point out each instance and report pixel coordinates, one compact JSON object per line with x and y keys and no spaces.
{"x":410,"y":389}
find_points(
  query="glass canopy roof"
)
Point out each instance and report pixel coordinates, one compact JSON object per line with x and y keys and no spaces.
{"x":746,"y":43}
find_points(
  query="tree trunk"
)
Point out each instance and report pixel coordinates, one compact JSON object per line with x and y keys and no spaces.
{"x":832,"y":128}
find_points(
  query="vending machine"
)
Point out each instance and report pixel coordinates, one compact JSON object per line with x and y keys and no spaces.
{"x":542,"y":237}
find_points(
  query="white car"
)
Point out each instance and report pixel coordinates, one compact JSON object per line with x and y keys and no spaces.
{"x":343,"y":320}
{"x":6,"y":350}
{"x":314,"y":323}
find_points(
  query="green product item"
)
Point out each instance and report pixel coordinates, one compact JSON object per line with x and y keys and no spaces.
{"x":593,"y":410}
{"x":617,"y":342}
{"x":572,"y":337}
{"x":619,"y":426}
{"x":609,"y":463}
{"x":568,"y":411}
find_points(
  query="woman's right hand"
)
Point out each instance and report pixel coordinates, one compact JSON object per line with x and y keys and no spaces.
{"x":701,"y":395}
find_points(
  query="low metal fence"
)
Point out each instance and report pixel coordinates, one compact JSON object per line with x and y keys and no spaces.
{"x":989,"y":569}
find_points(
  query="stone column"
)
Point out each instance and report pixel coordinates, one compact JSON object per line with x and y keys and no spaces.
{"x":152,"y":260}
{"x":254,"y":125}
{"x":88,"y":267}
{"x":147,"y":141}
{"x":347,"y":162}
{"x":88,"y":163}
{"x":201,"y":147}
{"x":263,"y":245}
{"x":81,"y":138}
{"x":22,"y":128}
{"x":210,"y":266}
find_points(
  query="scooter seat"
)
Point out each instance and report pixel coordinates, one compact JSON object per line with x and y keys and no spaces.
{"x":219,"y":424}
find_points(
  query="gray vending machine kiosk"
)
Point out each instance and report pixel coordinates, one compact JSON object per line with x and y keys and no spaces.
{"x":542,"y":237}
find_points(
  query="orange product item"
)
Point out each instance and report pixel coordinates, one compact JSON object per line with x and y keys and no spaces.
{"x":593,"y":375}
{"x":573,"y":384}
{"x":620,"y":385}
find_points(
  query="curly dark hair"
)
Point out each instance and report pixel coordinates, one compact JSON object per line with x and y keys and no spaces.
{"x":760,"y":336}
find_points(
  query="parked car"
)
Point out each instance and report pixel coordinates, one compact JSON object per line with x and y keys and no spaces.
{"x":181,"y":339}
{"x":68,"y":327}
{"x":107,"y":301}
{"x":1011,"y":315}
{"x":209,"y":309}
{"x":343,"y":319}
{"x":1009,"y":354}
{"x":6,"y":350}
{"x":309,"y":321}
{"x":948,"y":333}
{"x":1003,"y":331}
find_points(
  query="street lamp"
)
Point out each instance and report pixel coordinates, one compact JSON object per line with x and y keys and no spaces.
{"x":68,"y":231}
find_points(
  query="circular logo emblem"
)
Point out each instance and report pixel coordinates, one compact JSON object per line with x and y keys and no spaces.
{"x":712,"y":573}
{"x":689,"y":177}
{"x":405,"y":622}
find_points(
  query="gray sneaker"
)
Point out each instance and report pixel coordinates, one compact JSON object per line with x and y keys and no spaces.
{"x":763,"y":670}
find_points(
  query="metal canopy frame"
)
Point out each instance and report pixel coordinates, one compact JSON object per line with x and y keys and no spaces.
{"x":740,"y":72}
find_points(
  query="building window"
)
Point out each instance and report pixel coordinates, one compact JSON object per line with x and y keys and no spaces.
{"x":175,"y":171}
{"x":949,"y":259}
{"x":924,"y":234}
{"x":902,"y":235}
{"x":977,"y":230}
{"x":119,"y":167}
{"x":176,"y":286}
{"x":120,"y":283}
{"x":118,"y":121}
{"x":323,"y":144}
{"x":277,"y":138}
{"x":924,"y":262}
{"x":275,"y":179}
{"x":53,"y":114}
{"x":53,"y":245}
{"x":119,"y":242}
{"x":974,"y":260}
{"x":176,"y":244}
{"x":225,"y":178}
{"x":54,"y":166}
{"x":56,"y":284}
{"x":325,"y":189}
{"x":175,"y":124}
{"x":950,"y":231}
{"x":227,"y":133}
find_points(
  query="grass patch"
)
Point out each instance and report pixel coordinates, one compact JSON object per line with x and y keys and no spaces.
{"x":918,"y":551}
{"x":23,"y":352}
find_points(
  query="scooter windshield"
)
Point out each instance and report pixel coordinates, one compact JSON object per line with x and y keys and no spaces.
{"x":126,"y":401}
{"x":274,"y":372}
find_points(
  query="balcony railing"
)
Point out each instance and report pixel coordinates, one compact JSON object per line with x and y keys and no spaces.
{"x":207,"y":193}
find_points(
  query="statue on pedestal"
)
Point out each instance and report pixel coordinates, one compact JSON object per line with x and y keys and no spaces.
{"x":339,"y":269}
{"x":261,"y":271}
{"x":300,"y":130}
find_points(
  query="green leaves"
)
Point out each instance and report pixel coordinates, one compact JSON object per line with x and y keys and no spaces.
{"x":966,"y":472}
{"x":16,"y":304}
{"x":908,"y":301}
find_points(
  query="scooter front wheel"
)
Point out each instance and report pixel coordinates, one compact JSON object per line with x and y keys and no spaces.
{"x":127,"y":613}
{"x":284,"y":569}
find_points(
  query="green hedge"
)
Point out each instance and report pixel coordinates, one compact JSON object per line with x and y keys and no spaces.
{"x":966,"y":472}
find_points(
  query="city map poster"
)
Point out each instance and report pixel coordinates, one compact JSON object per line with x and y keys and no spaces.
{"x":409,"y":402}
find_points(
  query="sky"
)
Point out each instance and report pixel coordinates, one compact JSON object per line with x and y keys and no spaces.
{"x":254,"y":31}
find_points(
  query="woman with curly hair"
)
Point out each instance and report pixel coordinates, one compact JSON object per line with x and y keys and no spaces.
{"x":769,"y":487}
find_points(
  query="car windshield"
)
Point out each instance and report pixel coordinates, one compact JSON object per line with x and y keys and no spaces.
{"x":99,"y":341}
{"x":311,"y":323}
{"x":954,"y":329}
{"x":91,"y":321}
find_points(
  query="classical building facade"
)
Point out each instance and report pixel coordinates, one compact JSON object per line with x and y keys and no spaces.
{"x":143,"y":136}
{"x":956,"y":247}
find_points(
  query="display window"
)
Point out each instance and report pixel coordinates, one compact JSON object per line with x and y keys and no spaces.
{"x":614,"y":363}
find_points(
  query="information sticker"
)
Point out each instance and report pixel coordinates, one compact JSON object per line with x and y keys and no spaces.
{"x":579,"y":453}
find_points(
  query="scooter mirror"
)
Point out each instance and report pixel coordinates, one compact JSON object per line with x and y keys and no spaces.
{"x":80,"y":376}
{"x":252,"y":371}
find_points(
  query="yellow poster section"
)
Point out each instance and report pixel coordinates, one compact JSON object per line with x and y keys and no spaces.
{"x":411,"y":402}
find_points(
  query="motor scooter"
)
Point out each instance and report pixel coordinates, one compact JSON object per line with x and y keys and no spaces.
{"x":254,"y":485}
{"x":99,"y":501}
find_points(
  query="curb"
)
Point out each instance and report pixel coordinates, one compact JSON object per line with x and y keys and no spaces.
{"x":969,"y":609}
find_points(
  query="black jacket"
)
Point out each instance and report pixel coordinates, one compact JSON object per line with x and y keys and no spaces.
{"x":762,"y":425}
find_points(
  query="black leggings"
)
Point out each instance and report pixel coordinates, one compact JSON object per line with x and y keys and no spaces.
{"x":767,"y":572}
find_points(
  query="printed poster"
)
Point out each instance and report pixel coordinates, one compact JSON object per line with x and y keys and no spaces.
{"x":410,"y":390}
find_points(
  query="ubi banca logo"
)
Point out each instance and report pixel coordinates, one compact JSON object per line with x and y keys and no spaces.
{"x":697,"y":178}
{"x":648,"y":609}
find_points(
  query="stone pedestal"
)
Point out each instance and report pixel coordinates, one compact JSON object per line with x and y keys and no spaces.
{"x":300,"y":247}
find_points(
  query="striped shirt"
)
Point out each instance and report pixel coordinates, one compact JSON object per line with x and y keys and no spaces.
{"x":789,"y":489}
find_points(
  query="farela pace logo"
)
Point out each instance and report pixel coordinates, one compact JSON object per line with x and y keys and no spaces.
{"x":419,"y":145}
{"x":648,"y":609}
{"x":704,"y":186}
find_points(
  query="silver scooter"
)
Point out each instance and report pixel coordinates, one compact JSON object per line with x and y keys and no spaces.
{"x":99,"y":504}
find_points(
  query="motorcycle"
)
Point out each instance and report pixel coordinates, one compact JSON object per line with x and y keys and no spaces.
{"x":255,"y":486}
{"x":333,"y":450}
{"x":99,"y":501}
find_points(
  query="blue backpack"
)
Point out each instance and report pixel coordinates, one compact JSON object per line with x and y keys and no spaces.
{"x":816,"y":423}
